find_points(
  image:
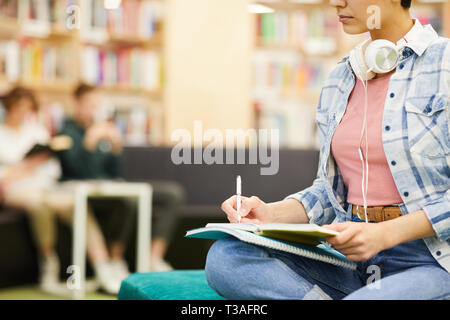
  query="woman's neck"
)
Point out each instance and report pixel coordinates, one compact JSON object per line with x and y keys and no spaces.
{"x":395,"y":29}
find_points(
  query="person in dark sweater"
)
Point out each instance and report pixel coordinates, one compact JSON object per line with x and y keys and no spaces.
{"x":96,"y":154}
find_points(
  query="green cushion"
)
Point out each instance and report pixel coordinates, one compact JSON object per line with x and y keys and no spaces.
{"x":173,"y":285}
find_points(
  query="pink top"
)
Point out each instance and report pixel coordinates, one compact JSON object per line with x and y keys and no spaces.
{"x":344,"y":146}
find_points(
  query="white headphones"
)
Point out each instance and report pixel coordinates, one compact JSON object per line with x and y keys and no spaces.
{"x":372,"y":57}
{"x":366,"y":60}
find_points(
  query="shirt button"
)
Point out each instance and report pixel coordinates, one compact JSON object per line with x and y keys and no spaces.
{"x":392,"y":95}
{"x":406,"y":193}
{"x":393,"y":162}
{"x":405,"y":52}
{"x":438,"y":253}
{"x":387,"y":128}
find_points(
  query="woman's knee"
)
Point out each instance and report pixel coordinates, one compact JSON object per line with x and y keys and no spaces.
{"x":218,"y":261}
{"x":224,"y":257}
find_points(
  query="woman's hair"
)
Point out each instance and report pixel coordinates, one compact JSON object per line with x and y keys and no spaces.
{"x":19,"y":93}
{"x":83,"y":89}
{"x":406,"y":4}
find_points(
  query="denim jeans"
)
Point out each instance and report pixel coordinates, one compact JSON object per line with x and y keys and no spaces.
{"x":237,"y":270}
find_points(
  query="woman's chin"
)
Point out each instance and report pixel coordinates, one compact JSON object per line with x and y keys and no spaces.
{"x":353,"y":29}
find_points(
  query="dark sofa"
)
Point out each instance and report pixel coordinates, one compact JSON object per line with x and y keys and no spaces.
{"x":206,"y":187}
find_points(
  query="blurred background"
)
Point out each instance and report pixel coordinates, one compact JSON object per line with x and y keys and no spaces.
{"x":159,"y":66}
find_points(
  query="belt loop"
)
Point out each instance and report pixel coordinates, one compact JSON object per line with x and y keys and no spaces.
{"x":383,"y":214}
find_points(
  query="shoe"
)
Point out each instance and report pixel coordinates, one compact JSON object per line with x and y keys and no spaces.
{"x":49,"y":274}
{"x":107,"y":278}
{"x":120,"y":268}
{"x":160,"y":265}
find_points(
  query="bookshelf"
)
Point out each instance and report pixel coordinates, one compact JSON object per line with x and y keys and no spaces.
{"x":52,"y":45}
{"x":294,"y":49}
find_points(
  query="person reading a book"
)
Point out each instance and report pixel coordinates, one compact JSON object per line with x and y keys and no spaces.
{"x":393,"y":220}
{"x":96,"y":153}
{"x":29,"y":181}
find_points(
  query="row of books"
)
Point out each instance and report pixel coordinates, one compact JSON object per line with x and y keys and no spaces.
{"x":35,"y":61}
{"x":38,"y":17}
{"x":297,"y":28}
{"x":136,"y":124}
{"x":9,"y":8}
{"x":10,"y":60}
{"x":286,"y":73}
{"x":134,"y":18}
{"x":124,"y":67}
{"x":293,"y":120}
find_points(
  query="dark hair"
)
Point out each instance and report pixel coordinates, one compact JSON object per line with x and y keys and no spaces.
{"x":18,"y":93}
{"x":406,"y":4}
{"x":83,"y":89}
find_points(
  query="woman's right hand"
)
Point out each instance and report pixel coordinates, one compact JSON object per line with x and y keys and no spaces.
{"x":253,"y":210}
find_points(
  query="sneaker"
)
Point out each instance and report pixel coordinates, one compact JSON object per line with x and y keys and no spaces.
{"x":120,"y":268}
{"x":107,"y":278}
{"x":160,"y":265}
{"x":49,"y":274}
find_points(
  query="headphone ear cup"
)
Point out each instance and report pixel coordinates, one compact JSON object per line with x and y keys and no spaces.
{"x":381,"y":56}
{"x":358,"y":63}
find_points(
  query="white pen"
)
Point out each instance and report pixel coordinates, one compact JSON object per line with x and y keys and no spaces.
{"x":238,"y":197}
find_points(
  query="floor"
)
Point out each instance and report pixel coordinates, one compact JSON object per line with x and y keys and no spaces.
{"x":32,"y":292}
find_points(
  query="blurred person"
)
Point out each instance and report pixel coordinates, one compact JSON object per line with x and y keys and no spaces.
{"x":96,"y":154}
{"x":31,"y":183}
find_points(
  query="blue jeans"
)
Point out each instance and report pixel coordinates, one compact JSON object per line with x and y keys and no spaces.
{"x":237,"y":270}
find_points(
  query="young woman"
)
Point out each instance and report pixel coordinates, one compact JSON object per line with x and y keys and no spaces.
{"x":405,"y":143}
{"x":30,"y":183}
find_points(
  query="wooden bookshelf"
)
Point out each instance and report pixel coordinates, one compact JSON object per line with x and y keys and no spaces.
{"x":132,"y":91}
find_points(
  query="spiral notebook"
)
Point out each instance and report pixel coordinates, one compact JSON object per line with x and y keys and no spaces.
{"x":306,"y":240}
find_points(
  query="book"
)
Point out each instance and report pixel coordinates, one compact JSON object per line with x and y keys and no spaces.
{"x":133,"y":68}
{"x":306,"y":240}
{"x":56,"y":144}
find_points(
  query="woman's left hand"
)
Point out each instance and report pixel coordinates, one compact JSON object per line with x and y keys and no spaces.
{"x":358,"y":241}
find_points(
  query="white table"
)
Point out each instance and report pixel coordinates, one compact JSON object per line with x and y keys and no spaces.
{"x":91,"y":189}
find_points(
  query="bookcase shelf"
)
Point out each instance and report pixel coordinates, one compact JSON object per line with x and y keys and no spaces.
{"x":41,"y":52}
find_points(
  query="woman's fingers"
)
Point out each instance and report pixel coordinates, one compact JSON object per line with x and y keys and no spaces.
{"x":248,"y":204}
{"x":351,"y":250}
{"x":253,"y":221}
{"x":229,"y":206}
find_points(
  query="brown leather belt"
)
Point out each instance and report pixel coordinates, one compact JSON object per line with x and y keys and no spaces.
{"x":377,"y":213}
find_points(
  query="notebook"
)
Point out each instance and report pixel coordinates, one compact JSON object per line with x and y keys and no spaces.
{"x":306,"y":240}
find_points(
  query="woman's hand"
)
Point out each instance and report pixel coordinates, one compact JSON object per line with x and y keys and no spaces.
{"x":358,"y":241}
{"x":253,"y":210}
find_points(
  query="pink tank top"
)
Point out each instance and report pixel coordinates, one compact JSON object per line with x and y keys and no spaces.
{"x":344,"y":146}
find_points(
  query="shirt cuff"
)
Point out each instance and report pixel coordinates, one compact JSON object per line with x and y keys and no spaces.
{"x":312,"y":205}
{"x":438,"y":212}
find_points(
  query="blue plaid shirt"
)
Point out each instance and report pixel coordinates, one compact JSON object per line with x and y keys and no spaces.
{"x":415,"y":135}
